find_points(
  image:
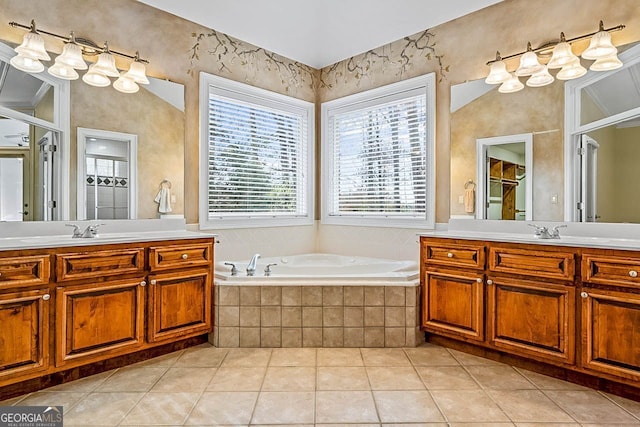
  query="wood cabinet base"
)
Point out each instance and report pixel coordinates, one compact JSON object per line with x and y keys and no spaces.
{"x":574,"y":375}
{"x":73,"y":374}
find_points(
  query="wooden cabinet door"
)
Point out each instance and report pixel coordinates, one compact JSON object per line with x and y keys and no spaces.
{"x":179,"y":305}
{"x":611,"y":332}
{"x":532,"y":318}
{"x":453,"y":304}
{"x":95,"y":321}
{"x":24,"y":333}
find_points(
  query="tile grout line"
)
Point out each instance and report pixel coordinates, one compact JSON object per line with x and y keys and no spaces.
{"x":373,"y":396}
{"x":606,"y":396}
{"x":266,"y":370}
{"x":435,"y":402}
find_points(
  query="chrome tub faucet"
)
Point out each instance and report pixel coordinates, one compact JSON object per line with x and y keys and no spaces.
{"x":251,"y":268}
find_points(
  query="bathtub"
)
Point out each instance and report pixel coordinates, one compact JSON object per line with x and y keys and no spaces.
{"x":318,"y":300}
{"x":325,"y":269}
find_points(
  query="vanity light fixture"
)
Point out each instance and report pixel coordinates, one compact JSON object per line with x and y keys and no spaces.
{"x":32,"y":51}
{"x":600,"y":49}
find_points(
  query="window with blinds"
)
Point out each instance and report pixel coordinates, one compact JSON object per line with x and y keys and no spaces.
{"x":258,"y":156}
{"x":378,"y":151}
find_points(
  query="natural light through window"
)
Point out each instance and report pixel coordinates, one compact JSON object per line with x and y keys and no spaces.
{"x":378,"y":156}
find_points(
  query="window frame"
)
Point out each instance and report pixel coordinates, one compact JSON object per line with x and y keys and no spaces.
{"x":425,"y":84}
{"x":245,"y":93}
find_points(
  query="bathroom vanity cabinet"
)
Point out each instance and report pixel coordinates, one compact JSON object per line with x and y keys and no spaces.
{"x":572,"y":307}
{"x":67,"y":307}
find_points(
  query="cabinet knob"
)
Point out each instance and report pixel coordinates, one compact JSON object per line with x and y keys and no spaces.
{"x":584,"y":294}
{"x":479,"y":280}
{"x":46,"y":297}
{"x":143,"y":283}
{"x":154,"y":281}
{"x":633,"y":273}
{"x":489,"y":282}
{"x":185,"y":256}
{"x":449,"y":255}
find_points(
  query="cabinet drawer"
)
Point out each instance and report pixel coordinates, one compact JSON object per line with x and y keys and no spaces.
{"x":454,"y":254}
{"x":180,"y":256}
{"x":535,"y":263}
{"x":24,"y":271}
{"x":74,"y":266}
{"x":611,"y":270}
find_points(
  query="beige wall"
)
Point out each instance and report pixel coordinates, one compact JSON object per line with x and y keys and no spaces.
{"x":627,"y":176}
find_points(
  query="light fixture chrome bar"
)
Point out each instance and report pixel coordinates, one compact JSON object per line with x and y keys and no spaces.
{"x":549,"y":46}
{"x":97,"y":49}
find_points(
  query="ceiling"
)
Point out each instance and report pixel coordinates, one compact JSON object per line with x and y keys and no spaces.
{"x":319,"y":32}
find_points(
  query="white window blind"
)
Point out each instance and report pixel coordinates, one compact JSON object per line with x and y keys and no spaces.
{"x":258,"y":157}
{"x":380,"y":154}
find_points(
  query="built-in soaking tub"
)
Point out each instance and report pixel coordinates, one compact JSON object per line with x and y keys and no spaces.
{"x":318,"y":300}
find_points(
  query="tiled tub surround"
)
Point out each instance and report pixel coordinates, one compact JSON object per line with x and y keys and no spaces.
{"x":316,"y":316}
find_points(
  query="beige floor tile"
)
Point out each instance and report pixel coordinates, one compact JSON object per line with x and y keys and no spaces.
{"x":545,"y":382}
{"x":132,"y":379}
{"x":342,"y":378}
{"x":219,"y":408}
{"x":397,"y":378}
{"x":414,"y":425}
{"x":201,"y":357}
{"x":547,"y":425}
{"x":237,"y":379}
{"x":345,"y":407}
{"x":166,"y":360}
{"x":162,"y":408}
{"x":471,"y":360}
{"x":590,"y":407}
{"x":52,"y":398}
{"x":636,"y":424}
{"x":284,"y":408}
{"x":279,"y":378}
{"x":629,"y":405}
{"x":431,"y":356}
{"x":529,"y":406}
{"x":406,"y":407}
{"x":501,"y":377}
{"x":483,"y":424}
{"x":468,"y":406}
{"x":106,"y":409}
{"x":12,"y":401}
{"x":188,"y":380}
{"x":247,"y":357}
{"x":85,"y":384}
{"x":385,"y":357}
{"x":339,"y":357}
{"x":446,"y":378}
{"x":293,"y":357}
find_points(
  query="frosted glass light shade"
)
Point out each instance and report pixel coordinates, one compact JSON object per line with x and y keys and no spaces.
{"x":562,"y":55}
{"x":541,"y":78}
{"x":27,"y":64}
{"x":571,"y":71}
{"x":106,"y":65}
{"x":138,"y":73}
{"x":529,"y":64}
{"x":125,"y":84}
{"x":600,"y":46}
{"x":512,"y":85}
{"x":498,"y":73}
{"x":606,"y":64}
{"x":62,"y":71}
{"x":71,"y":56}
{"x":33,"y":47}
{"x":94,"y":77}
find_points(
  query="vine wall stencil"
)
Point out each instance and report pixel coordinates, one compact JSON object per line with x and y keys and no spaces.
{"x":397,"y":59}
{"x":233,"y":56}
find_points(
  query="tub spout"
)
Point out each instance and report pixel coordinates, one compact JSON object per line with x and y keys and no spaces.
{"x":251,"y":268}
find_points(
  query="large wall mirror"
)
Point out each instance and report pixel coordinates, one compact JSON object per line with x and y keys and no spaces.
{"x":39,"y":153}
{"x":566,"y":186}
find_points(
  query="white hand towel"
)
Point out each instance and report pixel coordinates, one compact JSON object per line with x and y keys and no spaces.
{"x":469,"y":200}
{"x":164,"y":200}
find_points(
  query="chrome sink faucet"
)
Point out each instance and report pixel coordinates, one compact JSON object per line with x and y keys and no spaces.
{"x":544,"y":233}
{"x":251,"y":268}
{"x":90,"y":232}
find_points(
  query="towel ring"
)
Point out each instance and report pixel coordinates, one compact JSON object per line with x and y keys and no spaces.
{"x":469,"y":183}
{"x":165,"y":183}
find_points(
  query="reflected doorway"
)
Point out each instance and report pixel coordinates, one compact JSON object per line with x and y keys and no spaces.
{"x":14,"y":185}
{"x":106,"y":175}
{"x":505,"y":177}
